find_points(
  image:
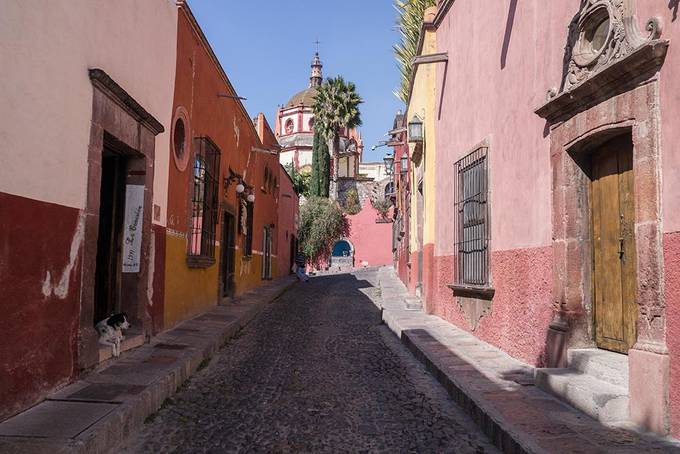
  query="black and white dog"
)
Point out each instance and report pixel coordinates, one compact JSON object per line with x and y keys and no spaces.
{"x":111,"y":331}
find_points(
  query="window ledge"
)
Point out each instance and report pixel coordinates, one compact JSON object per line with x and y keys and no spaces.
{"x":200,"y":261}
{"x":472,"y":291}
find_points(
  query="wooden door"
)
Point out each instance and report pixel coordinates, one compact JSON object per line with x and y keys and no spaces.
{"x":613,"y":214}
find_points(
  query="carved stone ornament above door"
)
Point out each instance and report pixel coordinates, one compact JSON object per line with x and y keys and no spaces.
{"x":606,"y":53}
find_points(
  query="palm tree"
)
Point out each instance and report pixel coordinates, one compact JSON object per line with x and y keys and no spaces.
{"x":410,"y":21}
{"x":336,"y":107}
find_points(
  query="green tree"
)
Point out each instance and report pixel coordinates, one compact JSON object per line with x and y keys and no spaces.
{"x":321,"y":168}
{"x":322,"y":223}
{"x":301,"y":181}
{"x":410,"y":22}
{"x":336,"y":107}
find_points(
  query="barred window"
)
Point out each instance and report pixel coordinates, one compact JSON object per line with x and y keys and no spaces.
{"x":472,"y":219}
{"x":204,"y":202}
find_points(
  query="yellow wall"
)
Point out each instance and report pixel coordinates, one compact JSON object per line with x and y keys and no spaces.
{"x":423,"y":104}
{"x":188,"y":291}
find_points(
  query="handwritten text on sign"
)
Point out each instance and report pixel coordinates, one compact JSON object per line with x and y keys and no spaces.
{"x":132,"y":239}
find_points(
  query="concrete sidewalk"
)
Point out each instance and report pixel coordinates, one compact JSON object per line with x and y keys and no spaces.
{"x":498,"y":391}
{"x":98,"y":412}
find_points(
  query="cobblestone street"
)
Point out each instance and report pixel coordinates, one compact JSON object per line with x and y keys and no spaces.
{"x":314,"y":372}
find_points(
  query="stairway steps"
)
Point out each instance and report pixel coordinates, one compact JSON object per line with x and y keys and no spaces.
{"x":599,"y":399}
{"x":604,"y":365}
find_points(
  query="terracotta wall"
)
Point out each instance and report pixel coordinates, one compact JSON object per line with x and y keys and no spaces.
{"x":242,"y":143}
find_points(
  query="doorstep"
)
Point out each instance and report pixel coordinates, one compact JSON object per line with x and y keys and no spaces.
{"x":96,"y":413}
{"x":499,"y":392}
{"x":595,"y":382}
{"x":133,"y":339}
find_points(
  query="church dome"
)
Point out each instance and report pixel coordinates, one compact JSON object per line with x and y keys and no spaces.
{"x":305,"y":97}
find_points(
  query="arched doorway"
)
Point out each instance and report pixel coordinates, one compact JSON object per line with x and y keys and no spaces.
{"x":342,"y":255}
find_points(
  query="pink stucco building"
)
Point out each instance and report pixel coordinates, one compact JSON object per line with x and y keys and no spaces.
{"x":556,"y":180}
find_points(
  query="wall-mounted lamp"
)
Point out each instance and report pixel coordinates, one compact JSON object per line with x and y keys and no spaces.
{"x":404,"y":165}
{"x":415,"y":130}
{"x":389,"y":163}
{"x":382,"y":143}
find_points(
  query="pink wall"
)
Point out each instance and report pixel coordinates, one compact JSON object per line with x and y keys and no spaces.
{"x":517,"y":67}
{"x":372,"y":241}
{"x":286,"y":227}
{"x":508,"y":59}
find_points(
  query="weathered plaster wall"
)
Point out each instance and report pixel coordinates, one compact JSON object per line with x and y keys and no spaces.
{"x":40,"y":245}
{"x":46,"y":101}
{"x":518,"y":318}
{"x":47,"y":95}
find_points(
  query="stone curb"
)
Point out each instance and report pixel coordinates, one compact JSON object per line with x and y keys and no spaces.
{"x":492,"y":427}
{"x":491,"y":387}
{"x":211,"y":334}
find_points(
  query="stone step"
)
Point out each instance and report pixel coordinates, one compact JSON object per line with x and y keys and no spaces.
{"x":604,"y":365}
{"x":132,"y":340}
{"x":601,"y":400}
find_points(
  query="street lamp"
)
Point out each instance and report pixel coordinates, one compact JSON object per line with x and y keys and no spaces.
{"x":404,"y":165}
{"x":389,"y":163}
{"x":415,"y":129}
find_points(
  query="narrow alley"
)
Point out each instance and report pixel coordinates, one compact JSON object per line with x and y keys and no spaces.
{"x":316,"y":371}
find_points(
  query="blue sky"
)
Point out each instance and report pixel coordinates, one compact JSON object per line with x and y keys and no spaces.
{"x":266,"y":47}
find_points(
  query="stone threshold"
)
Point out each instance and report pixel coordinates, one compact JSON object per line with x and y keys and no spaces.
{"x":98,"y":412}
{"x":499,"y":392}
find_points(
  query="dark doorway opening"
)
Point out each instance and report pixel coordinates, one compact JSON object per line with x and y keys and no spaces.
{"x":228,"y":254}
{"x":111,"y":215}
{"x":267,"y":253}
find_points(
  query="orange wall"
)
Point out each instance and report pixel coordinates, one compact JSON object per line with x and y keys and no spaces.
{"x":198,"y":81}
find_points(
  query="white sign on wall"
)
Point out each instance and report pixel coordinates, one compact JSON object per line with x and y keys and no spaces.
{"x":132,"y":231}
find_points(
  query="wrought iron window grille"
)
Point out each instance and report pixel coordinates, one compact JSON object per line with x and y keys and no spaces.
{"x":471,"y":243}
{"x":205,"y":200}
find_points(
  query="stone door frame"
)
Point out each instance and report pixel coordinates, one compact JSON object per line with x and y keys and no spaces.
{"x":634,"y":112}
{"x":119,"y":121}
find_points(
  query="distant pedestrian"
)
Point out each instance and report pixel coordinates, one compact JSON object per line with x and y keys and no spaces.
{"x":300,"y":262}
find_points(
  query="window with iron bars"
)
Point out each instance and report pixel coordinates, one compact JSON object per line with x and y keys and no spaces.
{"x":471,"y":184}
{"x":204,"y":202}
